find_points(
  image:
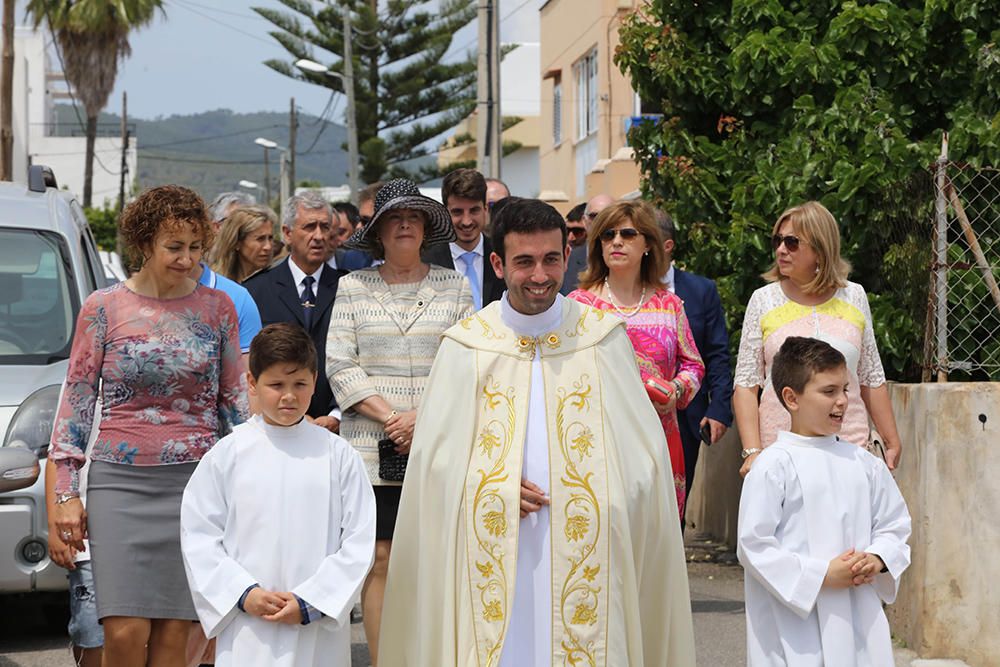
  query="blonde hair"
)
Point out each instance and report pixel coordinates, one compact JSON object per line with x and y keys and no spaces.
{"x":814,"y":224}
{"x":239,"y":224}
{"x":643,"y":218}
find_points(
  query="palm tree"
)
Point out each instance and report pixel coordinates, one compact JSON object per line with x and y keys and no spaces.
{"x":92,"y":37}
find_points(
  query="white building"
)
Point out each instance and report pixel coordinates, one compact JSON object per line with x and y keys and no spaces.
{"x":38,"y":86}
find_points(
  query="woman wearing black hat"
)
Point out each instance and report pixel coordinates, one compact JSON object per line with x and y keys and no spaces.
{"x":384,"y":333}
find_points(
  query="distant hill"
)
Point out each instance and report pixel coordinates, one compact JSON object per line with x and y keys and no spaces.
{"x":211,"y":152}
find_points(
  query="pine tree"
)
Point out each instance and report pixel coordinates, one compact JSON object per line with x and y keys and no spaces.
{"x":404,"y":93}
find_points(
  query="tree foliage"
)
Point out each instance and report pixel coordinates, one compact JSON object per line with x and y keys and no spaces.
{"x":405,"y":92}
{"x":766,"y":104}
{"x":92,"y":36}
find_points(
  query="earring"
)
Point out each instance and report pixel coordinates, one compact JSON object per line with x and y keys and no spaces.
{"x":645,"y":253}
{"x":817,"y":269}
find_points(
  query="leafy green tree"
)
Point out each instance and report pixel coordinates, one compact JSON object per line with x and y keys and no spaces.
{"x":92,"y":37}
{"x":405,"y":94}
{"x":766,"y":104}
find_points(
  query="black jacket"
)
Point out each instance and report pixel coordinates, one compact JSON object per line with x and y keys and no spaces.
{"x":492,"y":287}
{"x":277,"y":297}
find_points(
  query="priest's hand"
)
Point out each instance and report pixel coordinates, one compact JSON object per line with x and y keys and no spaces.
{"x":399,"y":429}
{"x":262,"y":603}
{"x":866,"y":569}
{"x":290,"y":614}
{"x":532,"y":498}
{"x":840,"y":573}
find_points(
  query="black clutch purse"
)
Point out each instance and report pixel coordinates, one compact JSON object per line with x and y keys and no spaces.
{"x":391,"y":464}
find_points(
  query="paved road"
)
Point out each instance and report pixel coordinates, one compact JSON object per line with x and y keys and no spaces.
{"x":29,"y":639}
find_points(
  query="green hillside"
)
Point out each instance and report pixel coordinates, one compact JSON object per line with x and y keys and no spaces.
{"x":212,"y":151}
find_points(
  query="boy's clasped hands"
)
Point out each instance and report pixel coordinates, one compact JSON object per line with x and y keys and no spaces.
{"x":273,"y":606}
{"x":852,"y":568}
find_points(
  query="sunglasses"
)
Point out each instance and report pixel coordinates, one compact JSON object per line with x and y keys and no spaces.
{"x":627,"y":234}
{"x":791,"y":242}
{"x":576,"y":231}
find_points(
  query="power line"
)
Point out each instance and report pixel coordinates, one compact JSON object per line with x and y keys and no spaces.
{"x":255,"y":17}
{"x":223,"y":24}
{"x":476,"y":39}
{"x":167,"y":158}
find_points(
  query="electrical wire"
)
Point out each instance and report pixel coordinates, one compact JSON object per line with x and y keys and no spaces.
{"x":168,"y":158}
{"x":472,"y":41}
{"x":255,"y":17}
{"x":177,"y":3}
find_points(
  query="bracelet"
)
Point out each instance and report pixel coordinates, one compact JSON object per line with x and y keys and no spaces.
{"x":747,"y":453}
{"x":65,"y":498}
{"x":391,"y":415}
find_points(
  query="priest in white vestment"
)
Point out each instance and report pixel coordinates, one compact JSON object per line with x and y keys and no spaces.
{"x":809,"y":499}
{"x":539,"y":388}
{"x":290,"y":509}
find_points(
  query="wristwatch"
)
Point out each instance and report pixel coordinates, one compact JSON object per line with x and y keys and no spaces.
{"x":747,"y":453}
{"x":65,"y":497}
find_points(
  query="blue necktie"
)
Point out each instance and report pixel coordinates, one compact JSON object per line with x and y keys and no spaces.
{"x":470,"y":272}
{"x":308,"y":301}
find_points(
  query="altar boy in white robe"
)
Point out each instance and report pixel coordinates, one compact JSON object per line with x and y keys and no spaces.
{"x":278,"y":522}
{"x":822,"y":528}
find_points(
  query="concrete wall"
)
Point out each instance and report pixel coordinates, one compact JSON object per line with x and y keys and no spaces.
{"x":947,"y":605}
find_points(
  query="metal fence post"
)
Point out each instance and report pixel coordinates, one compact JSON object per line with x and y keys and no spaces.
{"x":941,"y":261}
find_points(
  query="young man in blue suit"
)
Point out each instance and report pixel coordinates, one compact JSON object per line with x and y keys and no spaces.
{"x":711,"y":410}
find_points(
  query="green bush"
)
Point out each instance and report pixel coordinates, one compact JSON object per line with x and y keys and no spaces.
{"x":104,"y":225}
{"x":766,"y":104}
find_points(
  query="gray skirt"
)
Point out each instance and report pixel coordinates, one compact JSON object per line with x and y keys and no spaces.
{"x":134,"y":517}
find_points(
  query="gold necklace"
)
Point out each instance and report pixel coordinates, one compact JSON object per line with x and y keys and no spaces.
{"x":632,"y":309}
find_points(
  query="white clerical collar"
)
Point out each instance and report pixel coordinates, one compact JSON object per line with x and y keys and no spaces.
{"x":807,"y":441}
{"x":298,"y":275}
{"x":532,"y":325}
{"x":457,"y":251}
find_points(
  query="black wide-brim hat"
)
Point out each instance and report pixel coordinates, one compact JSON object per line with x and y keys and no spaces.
{"x":402,"y":193}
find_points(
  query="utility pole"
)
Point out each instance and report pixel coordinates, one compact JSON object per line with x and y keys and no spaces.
{"x":125,"y":137}
{"x":7,"y":95}
{"x":267,"y":177}
{"x":352,"y":124}
{"x":488,"y":121}
{"x":293,"y":125}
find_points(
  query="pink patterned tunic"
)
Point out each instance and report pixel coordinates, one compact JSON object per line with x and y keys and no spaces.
{"x":664,"y":348}
{"x":169,"y":376}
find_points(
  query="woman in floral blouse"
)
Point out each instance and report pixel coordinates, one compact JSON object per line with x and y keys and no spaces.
{"x":162,"y":354}
{"x":625,"y":265}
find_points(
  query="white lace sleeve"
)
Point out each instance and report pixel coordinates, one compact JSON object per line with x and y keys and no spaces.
{"x":870,"y":371}
{"x":750,"y":362}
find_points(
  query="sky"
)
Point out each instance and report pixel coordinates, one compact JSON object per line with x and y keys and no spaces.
{"x":208,"y":54}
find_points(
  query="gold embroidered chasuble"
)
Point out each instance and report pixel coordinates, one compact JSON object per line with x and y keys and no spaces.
{"x":619,"y":584}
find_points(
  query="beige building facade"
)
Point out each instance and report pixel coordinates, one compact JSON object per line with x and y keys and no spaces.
{"x":586,"y":103}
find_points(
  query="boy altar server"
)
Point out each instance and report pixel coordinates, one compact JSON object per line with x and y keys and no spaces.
{"x":278,"y":522}
{"x":822,"y":528}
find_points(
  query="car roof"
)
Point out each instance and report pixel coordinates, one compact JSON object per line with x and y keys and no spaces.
{"x":49,"y":210}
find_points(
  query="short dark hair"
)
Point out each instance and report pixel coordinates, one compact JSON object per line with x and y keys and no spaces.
{"x":146,"y":215}
{"x":350,"y":210}
{"x":666,"y":224}
{"x":368,"y":193}
{"x":524,"y":216}
{"x":281,"y":343}
{"x":576,"y":213}
{"x":464,"y":183}
{"x":798,"y":360}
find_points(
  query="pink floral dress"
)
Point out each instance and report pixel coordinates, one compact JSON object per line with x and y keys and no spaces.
{"x":664,"y":348}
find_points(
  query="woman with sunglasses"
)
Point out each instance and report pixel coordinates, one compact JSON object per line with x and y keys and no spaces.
{"x":809,"y":295}
{"x":625,"y":266}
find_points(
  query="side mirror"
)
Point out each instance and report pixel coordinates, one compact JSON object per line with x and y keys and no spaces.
{"x":18,"y":468}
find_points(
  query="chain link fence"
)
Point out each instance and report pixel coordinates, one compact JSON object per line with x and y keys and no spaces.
{"x":963,"y":321}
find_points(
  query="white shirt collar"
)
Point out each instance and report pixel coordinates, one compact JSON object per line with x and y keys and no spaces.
{"x":298,"y":275}
{"x":532,"y":325}
{"x":457,"y":251}
{"x":668,"y":279}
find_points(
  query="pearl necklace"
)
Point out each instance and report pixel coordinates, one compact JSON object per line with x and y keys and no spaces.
{"x":632,"y":310}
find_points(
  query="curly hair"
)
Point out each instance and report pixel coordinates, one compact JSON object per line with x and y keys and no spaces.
{"x":166,"y":207}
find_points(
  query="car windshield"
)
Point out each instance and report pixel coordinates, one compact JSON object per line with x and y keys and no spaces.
{"x":37,"y":305}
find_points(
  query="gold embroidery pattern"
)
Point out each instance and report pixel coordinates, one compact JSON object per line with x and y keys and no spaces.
{"x":581,"y":324}
{"x":580,"y":595}
{"x":490,"y":514}
{"x":488,"y":332}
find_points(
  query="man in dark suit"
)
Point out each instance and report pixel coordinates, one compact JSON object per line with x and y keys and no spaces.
{"x":302,"y":289}
{"x":712,"y":406}
{"x":464,"y":195}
